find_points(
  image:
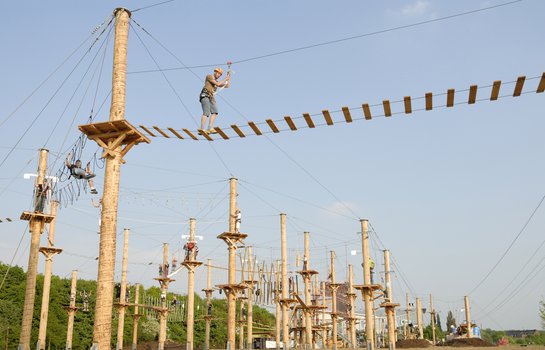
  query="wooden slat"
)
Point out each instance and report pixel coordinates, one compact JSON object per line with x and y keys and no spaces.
{"x":147,"y":130}
{"x":519,"y":85}
{"x":429,"y":101}
{"x":541,"y":86}
{"x":205,"y":134}
{"x":190,"y":134}
{"x":308,"y":119}
{"x":450,"y":97}
{"x":255,"y":128}
{"x":221,"y":133}
{"x":272,"y":126}
{"x":472,"y":94}
{"x":387,"y":109}
{"x":175,"y":133}
{"x":495,"y":90}
{"x":237,"y":130}
{"x":408,"y":104}
{"x":366,"y":111}
{"x":347,"y":116}
{"x":161,"y":131}
{"x":290,"y":122}
{"x":327,"y":117}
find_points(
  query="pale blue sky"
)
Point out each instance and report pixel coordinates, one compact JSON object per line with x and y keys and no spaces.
{"x":447,"y":191}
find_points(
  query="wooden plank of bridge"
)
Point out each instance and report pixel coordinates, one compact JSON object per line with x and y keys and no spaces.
{"x":541,"y":86}
{"x":221,"y":133}
{"x":519,"y":85}
{"x":429,"y":101}
{"x":366,"y":111}
{"x":450,"y":97}
{"x":272,"y":125}
{"x":190,"y":134}
{"x":255,"y":128}
{"x":175,"y":133}
{"x":495,"y":90}
{"x":290,"y":123}
{"x":327,"y":117}
{"x":408,"y":104}
{"x":205,"y":134}
{"x":309,"y":121}
{"x":161,"y":131}
{"x":347,"y":116}
{"x":472,"y":94}
{"x":237,"y":130}
{"x":148,"y":131}
{"x":387,"y":109}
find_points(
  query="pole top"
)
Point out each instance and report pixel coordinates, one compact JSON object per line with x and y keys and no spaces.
{"x":362,"y":220}
{"x":122,"y":9}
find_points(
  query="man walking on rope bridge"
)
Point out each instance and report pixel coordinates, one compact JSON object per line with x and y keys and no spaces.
{"x":208,"y":102}
{"x":77,"y":172}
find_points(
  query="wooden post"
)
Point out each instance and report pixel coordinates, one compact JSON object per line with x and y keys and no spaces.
{"x":123,"y":291}
{"x":307,"y":274}
{"x":468,"y":317}
{"x":367,"y":291}
{"x":277,"y":298}
{"x":324,"y":328}
{"x":208,"y":315}
{"x":71,"y":309}
{"x":37,"y":223}
{"x":408,"y":311}
{"x":250,"y":316}
{"x":351,"y":316}
{"x":49,"y":252}
{"x":285,"y":297}
{"x":102,"y":330}
{"x":333,"y":286}
{"x":419,"y":318}
{"x":389,"y":304}
{"x":164,"y":281}
{"x":191,"y":265}
{"x":432,"y":313}
{"x":136,"y":316}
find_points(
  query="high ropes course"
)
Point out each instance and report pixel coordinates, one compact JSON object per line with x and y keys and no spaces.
{"x":383,"y":109}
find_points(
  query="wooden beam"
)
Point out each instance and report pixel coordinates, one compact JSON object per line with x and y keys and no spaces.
{"x":237,"y":130}
{"x":429,"y":101}
{"x":161,"y":131}
{"x":495,"y":90}
{"x":472,"y":94}
{"x":175,"y":133}
{"x":255,"y":128}
{"x":327,"y":117}
{"x":408,"y":104}
{"x":387,"y":109}
{"x":205,"y":134}
{"x":308,"y":119}
{"x":221,"y":133}
{"x":290,"y":122}
{"x":148,"y":131}
{"x":347,"y":116}
{"x":190,"y":134}
{"x":272,"y":126}
{"x":366,"y":111}
{"x":450,"y":97}
{"x":519,"y":85}
{"x":541,"y":86}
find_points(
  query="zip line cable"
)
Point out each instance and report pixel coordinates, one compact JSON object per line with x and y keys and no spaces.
{"x":509,"y":247}
{"x":150,"y":6}
{"x":383,"y":31}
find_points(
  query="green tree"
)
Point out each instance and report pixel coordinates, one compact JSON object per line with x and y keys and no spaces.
{"x":438,"y":322}
{"x":542,"y":313}
{"x":451,"y":321}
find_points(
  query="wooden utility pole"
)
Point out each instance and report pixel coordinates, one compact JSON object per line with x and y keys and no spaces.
{"x":277,"y":298}
{"x":468,"y":317}
{"x":37,"y":220}
{"x":334,"y":315}
{"x":250,"y":301}
{"x":285,"y":297}
{"x":351,"y":316}
{"x":408,"y":318}
{"x":71,"y":309}
{"x":191,"y":264}
{"x":324,"y":327}
{"x":208,"y":315}
{"x":164,"y":281}
{"x":122,"y":304}
{"x":307,"y":274}
{"x":388,"y":304}
{"x":432,"y":313}
{"x":136,"y":316}
{"x":419,"y":318}
{"x":116,"y":137}
{"x":49,"y":252}
{"x":231,"y":289}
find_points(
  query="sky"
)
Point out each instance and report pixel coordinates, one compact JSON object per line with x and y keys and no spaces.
{"x":453,"y":193}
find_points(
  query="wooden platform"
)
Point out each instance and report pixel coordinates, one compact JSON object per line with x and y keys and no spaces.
{"x":29,"y":215}
{"x":307,"y":272}
{"x":50,"y":250}
{"x":389,"y":305}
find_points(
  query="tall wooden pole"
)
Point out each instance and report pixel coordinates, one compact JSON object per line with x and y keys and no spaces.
{"x":432,"y":313}
{"x":71,"y":309}
{"x":123,"y":291}
{"x":324,"y":327}
{"x":49,"y":252}
{"x":136,"y":316}
{"x":208,"y":316}
{"x":164,"y":281}
{"x":368,"y":290}
{"x":307,"y":274}
{"x":468,"y":317}
{"x":277,"y":298}
{"x":250,"y":313}
{"x":333,"y":286}
{"x":408,"y":317}
{"x":37,"y":223}
{"x":102,"y":329}
{"x":241,"y":342}
{"x":389,"y":304}
{"x":191,"y":264}
{"x":351,"y":315}
{"x":285,"y":296}
{"x":419,"y":318}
